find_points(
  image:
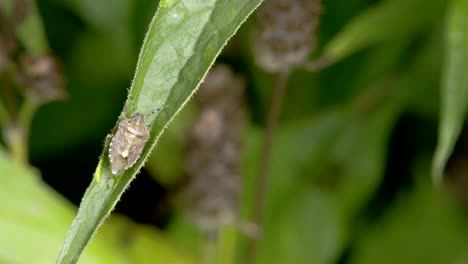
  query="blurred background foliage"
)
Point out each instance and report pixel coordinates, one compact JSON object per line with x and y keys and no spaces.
{"x":350,"y":177}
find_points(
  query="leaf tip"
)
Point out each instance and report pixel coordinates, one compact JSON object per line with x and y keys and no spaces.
{"x":438,"y":165}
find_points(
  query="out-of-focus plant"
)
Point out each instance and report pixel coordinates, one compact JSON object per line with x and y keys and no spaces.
{"x":454,"y":86}
{"x":35,"y":73}
{"x":284,"y":37}
{"x":343,"y":100}
{"x":213,"y":163}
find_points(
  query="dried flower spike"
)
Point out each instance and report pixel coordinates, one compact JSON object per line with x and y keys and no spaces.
{"x":214,"y":151}
{"x":41,"y":78}
{"x":128,"y":142}
{"x":285,"y":33}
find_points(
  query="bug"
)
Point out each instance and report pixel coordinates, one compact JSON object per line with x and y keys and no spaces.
{"x":128,"y":142}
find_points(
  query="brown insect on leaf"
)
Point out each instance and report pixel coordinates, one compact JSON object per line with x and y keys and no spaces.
{"x":128,"y":142}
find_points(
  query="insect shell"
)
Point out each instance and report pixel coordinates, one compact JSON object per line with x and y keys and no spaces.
{"x":128,"y":142}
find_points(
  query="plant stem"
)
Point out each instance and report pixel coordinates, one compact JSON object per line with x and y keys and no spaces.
{"x":263,"y":172}
{"x":17,"y":133}
{"x":209,"y":250}
{"x":227,"y":245}
{"x":317,"y":65}
{"x":219,"y":247}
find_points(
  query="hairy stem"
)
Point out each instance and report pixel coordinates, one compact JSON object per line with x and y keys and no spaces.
{"x":264,"y":168}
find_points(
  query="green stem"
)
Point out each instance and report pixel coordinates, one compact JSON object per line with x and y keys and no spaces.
{"x":220,"y":248}
{"x":209,"y":250}
{"x":263,"y":173}
{"x":227,"y":245}
{"x":319,"y":64}
{"x":26,"y":113}
{"x":17,"y":134}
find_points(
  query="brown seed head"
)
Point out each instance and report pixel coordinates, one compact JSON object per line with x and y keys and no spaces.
{"x":214,"y":151}
{"x":41,"y":78}
{"x":285,"y":33}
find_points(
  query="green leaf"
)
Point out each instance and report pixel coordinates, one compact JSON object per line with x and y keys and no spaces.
{"x":362,"y":148}
{"x":34,"y":212}
{"x":328,"y":166}
{"x":135,"y":243}
{"x":308,"y":202}
{"x":326,"y":184}
{"x":88,"y":56}
{"x":388,"y":20}
{"x":422,"y":226}
{"x":164,"y":165}
{"x":454,"y":86}
{"x":29,"y":214}
{"x":102,"y":15}
{"x":378,"y":62}
{"x":183,"y":40}
{"x":309,"y":229}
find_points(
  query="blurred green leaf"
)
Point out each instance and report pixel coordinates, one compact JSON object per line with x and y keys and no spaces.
{"x":33,"y":212}
{"x":27,"y":215}
{"x":166,"y":164}
{"x":33,"y":219}
{"x":289,"y":152}
{"x":338,"y":157}
{"x":136,"y":243}
{"x":88,"y":56}
{"x":103,"y":15}
{"x":422,"y":226}
{"x":310,"y":228}
{"x":186,"y":235}
{"x":183,"y":40}
{"x":309,"y":201}
{"x":378,"y":63}
{"x":454,"y":86}
{"x":388,"y":20}
{"x":362,"y":149}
